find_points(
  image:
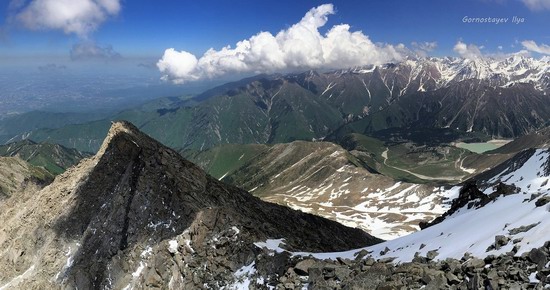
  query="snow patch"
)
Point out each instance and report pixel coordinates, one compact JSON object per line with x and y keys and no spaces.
{"x":139,"y":269}
{"x":272,"y":245}
{"x":243,"y":277}
{"x":173,"y":246}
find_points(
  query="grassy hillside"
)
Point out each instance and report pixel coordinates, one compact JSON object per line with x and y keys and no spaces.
{"x":37,"y":120}
{"x":52,"y":157}
{"x":223,"y":160}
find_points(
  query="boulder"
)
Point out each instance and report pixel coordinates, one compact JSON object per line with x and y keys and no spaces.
{"x":473,"y":264}
{"x":329,"y":272}
{"x":302,"y":268}
{"x":501,"y":241}
{"x":542,"y":201}
{"x":413,"y":269}
{"x":342,"y":273}
{"x":452,"y":279}
{"x":431,"y":254}
{"x":538,"y":257}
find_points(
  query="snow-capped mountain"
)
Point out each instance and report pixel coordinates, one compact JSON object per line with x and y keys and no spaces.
{"x":441,"y":72}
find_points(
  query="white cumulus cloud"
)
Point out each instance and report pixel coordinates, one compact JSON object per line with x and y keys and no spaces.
{"x":469,"y":51}
{"x":178,"y":63}
{"x":80,"y":17}
{"x":537,"y":5}
{"x":533,"y":46}
{"x":301,"y":46}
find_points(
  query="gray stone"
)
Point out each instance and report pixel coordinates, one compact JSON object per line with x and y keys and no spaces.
{"x":370,"y":262}
{"x":329,"y":272}
{"x":315,"y":274}
{"x":342,"y":273}
{"x":522,"y":229}
{"x":473,"y":263}
{"x":413,"y":269}
{"x":431,"y":254}
{"x":430,"y":274}
{"x":302,"y":268}
{"x":538,"y":257}
{"x":452,"y":279}
{"x":438,"y":282}
{"x":501,"y":241}
{"x":386,"y":260}
{"x":385,"y":251}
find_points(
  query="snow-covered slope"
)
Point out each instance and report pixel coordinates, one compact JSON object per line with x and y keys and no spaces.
{"x":519,"y":222}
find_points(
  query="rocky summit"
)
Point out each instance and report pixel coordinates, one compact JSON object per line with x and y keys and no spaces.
{"x":139,"y":216}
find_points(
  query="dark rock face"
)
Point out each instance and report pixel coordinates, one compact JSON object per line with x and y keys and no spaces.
{"x":469,"y":196}
{"x":542,"y":201}
{"x":140,"y":215}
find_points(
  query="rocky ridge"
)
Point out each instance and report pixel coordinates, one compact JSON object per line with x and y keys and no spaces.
{"x":138,"y":216}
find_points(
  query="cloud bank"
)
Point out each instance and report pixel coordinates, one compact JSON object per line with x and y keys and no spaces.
{"x":537,"y":5}
{"x":89,"y":50}
{"x":531,"y":45}
{"x":469,"y":51}
{"x":301,"y":46}
{"x":423,"y":48}
{"x":80,"y":17}
{"x":51,"y":67}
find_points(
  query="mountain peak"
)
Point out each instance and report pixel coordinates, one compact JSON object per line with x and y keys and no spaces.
{"x":138,"y":209}
{"x":119,"y":128}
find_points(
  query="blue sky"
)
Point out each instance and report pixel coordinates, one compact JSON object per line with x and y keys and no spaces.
{"x":141,"y":30}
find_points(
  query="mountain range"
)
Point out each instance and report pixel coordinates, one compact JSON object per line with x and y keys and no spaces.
{"x":489,"y":98}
